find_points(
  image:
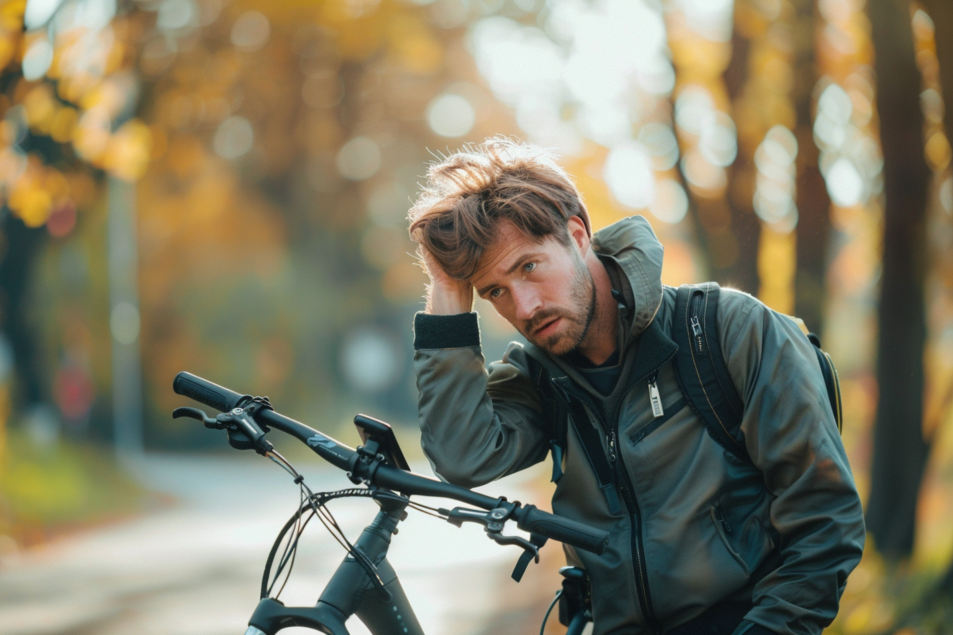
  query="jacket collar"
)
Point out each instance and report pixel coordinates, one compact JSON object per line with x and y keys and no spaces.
{"x":637,"y":253}
{"x":655,"y":349}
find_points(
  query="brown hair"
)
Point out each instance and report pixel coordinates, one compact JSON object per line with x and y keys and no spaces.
{"x":468,"y":193}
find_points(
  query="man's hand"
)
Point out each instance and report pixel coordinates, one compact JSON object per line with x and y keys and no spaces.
{"x":445,"y":295}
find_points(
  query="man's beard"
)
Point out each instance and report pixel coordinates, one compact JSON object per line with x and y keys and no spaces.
{"x":578,"y":317}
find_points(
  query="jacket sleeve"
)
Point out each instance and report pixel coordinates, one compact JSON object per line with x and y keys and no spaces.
{"x":476,"y":425}
{"x":791,"y":436}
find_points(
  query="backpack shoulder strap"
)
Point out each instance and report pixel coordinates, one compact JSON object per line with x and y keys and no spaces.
{"x":831,"y":381}
{"x":701,"y":369}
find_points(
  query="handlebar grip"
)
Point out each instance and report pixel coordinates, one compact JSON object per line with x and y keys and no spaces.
{"x":562,"y":529}
{"x":205,"y":392}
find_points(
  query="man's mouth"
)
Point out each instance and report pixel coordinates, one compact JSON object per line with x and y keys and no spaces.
{"x":547,"y":328}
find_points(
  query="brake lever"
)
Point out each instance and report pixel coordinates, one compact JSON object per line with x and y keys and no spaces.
{"x":459,"y":515}
{"x":527,"y":546}
{"x":493,"y":522}
{"x":195,"y":413}
{"x":243,"y":432}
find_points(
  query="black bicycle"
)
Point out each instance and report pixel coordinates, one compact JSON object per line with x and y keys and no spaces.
{"x":365,"y":584}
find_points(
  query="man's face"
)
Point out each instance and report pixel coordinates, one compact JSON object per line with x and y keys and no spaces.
{"x":545,"y":290}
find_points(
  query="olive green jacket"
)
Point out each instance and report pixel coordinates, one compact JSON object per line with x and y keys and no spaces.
{"x":699,"y":527}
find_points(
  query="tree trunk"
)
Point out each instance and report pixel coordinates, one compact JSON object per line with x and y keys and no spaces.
{"x":728,"y":230}
{"x":19,"y":248}
{"x":900,"y":451}
{"x":941,"y":11}
{"x":813,"y":202}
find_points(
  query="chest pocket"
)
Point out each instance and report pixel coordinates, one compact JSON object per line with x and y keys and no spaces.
{"x":668,"y":412}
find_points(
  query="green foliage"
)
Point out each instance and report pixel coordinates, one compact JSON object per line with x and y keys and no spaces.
{"x":46,"y":490}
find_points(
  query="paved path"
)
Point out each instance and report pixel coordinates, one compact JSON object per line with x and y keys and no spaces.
{"x":194,"y":568}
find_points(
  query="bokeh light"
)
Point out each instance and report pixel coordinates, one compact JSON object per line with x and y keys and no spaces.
{"x":628,"y":173}
{"x":234,"y":138}
{"x":359,"y":159}
{"x":451,"y":115}
{"x":250,"y":31}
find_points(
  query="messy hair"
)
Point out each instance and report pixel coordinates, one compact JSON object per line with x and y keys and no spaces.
{"x":468,"y":193}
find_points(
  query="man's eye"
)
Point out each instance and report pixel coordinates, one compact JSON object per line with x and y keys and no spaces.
{"x":529,"y":266}
{"x":495,"y":293}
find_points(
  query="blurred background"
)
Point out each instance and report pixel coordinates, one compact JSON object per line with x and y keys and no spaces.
{"x":220,"y":186}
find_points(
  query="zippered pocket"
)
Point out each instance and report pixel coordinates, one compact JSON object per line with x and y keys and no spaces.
{"x":649,"y":428}
{"x":723,"y":528}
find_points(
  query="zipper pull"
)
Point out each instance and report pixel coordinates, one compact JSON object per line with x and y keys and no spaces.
{"x":655,"y":398}
{"x":721,"y":520}
{"x":697,"y":331}
{"x":611,"y":442}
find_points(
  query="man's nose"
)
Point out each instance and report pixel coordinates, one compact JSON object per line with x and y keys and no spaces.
{"x":526,"y":303}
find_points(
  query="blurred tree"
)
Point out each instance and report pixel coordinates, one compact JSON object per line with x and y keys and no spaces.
{"x":18,"y":253}
{"x":67,"y":97}
{"x":745,"y":226}
{"x":900,"y":450}
{"x":935,"y":58}
{"x":718,"y":72}
{"x":39,"y":164}
{"x":813,"y":202}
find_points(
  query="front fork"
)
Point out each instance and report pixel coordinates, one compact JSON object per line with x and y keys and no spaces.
{"x":351,"y":592}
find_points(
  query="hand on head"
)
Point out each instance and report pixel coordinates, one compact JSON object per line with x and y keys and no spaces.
{"x":445,"y":295}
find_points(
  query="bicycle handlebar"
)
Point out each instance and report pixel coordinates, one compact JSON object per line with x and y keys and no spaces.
{"x":528,"y":517}
{"x":206,"y":392}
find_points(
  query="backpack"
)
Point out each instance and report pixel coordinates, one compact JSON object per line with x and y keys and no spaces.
{"x":703,"y":379}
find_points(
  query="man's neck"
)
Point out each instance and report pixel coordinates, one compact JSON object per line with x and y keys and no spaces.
{"x":602,"y":337}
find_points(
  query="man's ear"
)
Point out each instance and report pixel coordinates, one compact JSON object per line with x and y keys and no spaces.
{"x":578,"y":233}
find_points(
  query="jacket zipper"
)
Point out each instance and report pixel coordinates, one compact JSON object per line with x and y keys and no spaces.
{"x":630,"y":500}
{"x":631,"y":503}
{"x":696,"y":324}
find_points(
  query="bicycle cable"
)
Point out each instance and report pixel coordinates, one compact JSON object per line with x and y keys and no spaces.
{"x":542,"y":628}
{"x":316,"y":504}
{"x":420,"y":507}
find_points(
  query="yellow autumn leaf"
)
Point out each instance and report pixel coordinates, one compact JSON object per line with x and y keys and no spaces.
{"x":127,"y":153}
{"x":30,"y":202}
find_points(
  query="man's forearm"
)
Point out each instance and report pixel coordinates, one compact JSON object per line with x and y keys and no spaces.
{"x":450,"y":297}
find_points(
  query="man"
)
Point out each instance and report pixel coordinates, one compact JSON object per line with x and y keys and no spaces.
{"x":701,"y":542}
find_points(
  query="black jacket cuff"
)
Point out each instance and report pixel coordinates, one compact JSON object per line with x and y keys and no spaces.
{"x":446,"y":331}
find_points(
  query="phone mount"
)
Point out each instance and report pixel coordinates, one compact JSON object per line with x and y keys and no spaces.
{"x":379,"y":442}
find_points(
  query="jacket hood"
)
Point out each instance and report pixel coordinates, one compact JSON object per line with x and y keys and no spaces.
{"x":632,"y":245}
